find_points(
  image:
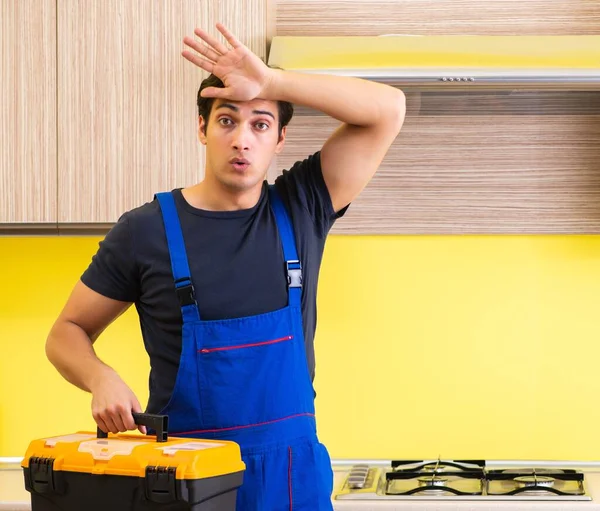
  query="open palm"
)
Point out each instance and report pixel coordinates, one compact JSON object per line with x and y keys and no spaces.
{"x":244,"y":75}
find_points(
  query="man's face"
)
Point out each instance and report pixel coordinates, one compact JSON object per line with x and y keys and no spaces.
{"x":241,"y":139}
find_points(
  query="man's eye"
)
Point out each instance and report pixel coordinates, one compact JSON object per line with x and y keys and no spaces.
{"x":224,"y":121}
{"x":262,"y":125}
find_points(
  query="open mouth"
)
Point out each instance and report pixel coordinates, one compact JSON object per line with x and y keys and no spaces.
{"x":240,"y":164}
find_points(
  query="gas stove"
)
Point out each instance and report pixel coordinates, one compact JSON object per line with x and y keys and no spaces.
{"x":460,"y":480}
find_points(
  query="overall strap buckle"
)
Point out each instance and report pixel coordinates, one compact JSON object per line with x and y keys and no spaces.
{"x":294,"y":273}
{"x":185,"y":291}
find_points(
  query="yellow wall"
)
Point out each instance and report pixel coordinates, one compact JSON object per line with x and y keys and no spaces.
{"x":455,"y":346}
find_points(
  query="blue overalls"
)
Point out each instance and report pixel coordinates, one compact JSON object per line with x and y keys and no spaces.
{"x":246,"y":380}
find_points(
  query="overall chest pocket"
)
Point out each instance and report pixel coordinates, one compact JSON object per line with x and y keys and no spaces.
{"x":252,"y":374}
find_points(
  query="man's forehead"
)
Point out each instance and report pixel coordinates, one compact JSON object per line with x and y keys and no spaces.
{"x":255,"y":105}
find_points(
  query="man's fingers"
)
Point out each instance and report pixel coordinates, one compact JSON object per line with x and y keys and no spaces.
{"x":203,"y":49}
{"x":100,"y":423}
{"x":115,"y":416}
{"x":211,"y":41}
{"x":231,"y":39}
{"x":199,"y":61}
{"x":104,"y":421}
{"x":215,"y":92}
{"x":136,"y":408}
{"x":128,"y":421}
{"x":110,"y":424}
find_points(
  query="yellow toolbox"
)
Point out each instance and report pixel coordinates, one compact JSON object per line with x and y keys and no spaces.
{"x":125,"y":472}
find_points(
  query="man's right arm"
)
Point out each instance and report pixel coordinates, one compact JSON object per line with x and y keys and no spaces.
{"x":69,"y":348}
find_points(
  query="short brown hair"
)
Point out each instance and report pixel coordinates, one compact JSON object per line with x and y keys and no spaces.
{"x":286,"y":110}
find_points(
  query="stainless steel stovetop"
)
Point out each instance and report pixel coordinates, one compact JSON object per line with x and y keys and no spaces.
{"x":460,"y":480}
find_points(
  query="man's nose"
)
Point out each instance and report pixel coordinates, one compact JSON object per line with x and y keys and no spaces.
{"x":241,"y":139}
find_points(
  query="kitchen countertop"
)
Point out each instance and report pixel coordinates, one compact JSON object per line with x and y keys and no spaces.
{"x":14,"y":497}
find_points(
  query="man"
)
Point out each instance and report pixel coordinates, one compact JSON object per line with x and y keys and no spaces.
{"x":224,"y":274}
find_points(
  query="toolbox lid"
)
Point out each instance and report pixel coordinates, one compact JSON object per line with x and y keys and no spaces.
{"x":131,"y":454}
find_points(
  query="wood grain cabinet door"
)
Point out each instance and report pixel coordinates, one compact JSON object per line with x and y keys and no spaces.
{"x":127,"y":116}
{"x":28,"y":111}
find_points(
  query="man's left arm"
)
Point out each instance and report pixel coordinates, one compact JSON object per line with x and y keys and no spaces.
{"x":371,"y":113}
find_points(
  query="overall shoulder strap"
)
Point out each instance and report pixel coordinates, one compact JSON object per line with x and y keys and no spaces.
{"x":179,"y":261}
{"x":288,"y":242}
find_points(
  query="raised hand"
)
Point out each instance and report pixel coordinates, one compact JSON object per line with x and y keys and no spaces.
{"x":244,"y":75}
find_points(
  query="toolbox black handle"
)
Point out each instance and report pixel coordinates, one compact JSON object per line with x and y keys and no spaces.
{"x":160,"y":423}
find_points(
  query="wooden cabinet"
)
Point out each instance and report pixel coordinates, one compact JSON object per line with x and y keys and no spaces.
{"x":28,"y":111}
{"x":99,"y":113}
{"x":98,"y":105}
{"x":480,"y":162}
{"x":483,"y":162}
{"x":430,"y":17}
{"x":127,"y":98}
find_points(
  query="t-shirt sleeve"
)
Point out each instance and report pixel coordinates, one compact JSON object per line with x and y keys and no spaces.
{"x":304,"y":183}
{"x":113,"y":271}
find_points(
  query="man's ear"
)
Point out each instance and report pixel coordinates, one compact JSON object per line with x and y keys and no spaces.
{"x":201,"y":130}
{"x":281,"y":141}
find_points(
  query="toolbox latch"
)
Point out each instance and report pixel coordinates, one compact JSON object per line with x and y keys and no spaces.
{"x":161,"y":484}
{"x":41,"y":477}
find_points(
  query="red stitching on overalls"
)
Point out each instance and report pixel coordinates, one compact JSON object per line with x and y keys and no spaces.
{"x":239,"y":346}
{"x":242,"y":427}
{"x":290,"y":477}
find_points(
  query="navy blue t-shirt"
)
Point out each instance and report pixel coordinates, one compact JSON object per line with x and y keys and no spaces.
{"x":236,"y":263}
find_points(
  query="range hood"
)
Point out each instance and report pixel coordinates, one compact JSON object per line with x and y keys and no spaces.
{"x":454,"y":62}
